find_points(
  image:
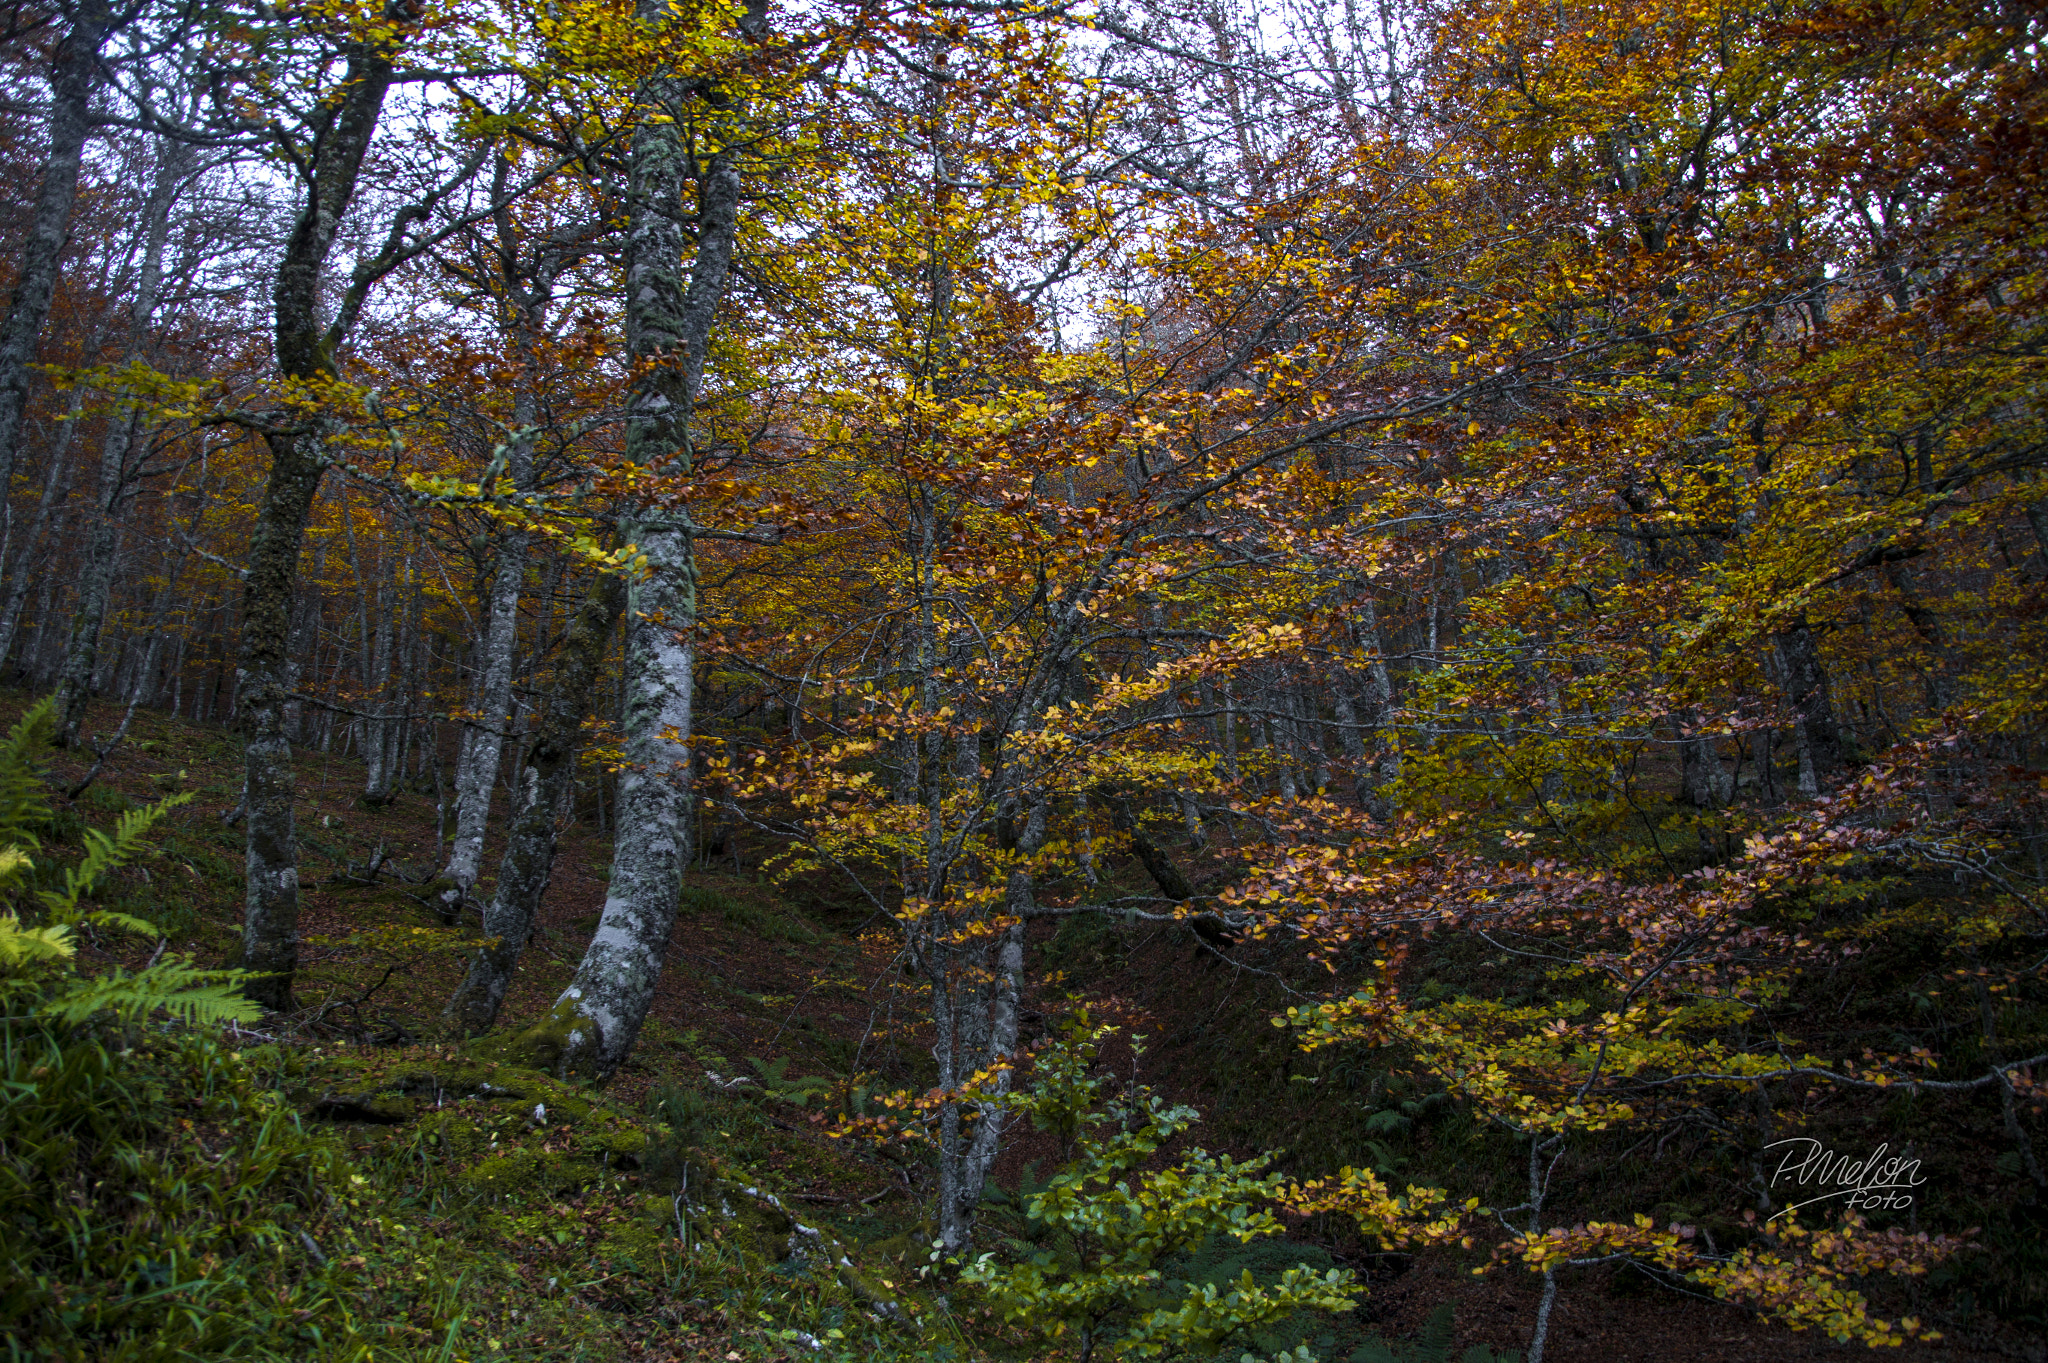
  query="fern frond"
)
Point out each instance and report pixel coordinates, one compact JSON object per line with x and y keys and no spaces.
{"x":20,"y":945}
{"x":14,"y":864}
{"x":126,"y":922}
{"x":186,"y":991}
{"x":24,"y":799}
{"x":103,"y":854}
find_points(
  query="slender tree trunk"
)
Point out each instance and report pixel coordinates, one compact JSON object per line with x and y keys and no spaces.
{"x":380,"y":732}
{"x":476,"y":776}
{"x":74,"y":75}
{"x":546,"y":776}
{"x":96,"y":580}
{"x":53,"y":492}
{"x":975,"y":997}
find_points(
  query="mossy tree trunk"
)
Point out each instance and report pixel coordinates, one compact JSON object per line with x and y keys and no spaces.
{"x":305,"y":352}
{"x":669,"y":319}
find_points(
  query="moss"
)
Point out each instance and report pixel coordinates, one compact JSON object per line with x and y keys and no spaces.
{"x":547,"y":1044}
{"x":627,"y":1145}
{"x":531,"y":1172}
{"x":387,"y":1090}
{"x":634,"y":1241}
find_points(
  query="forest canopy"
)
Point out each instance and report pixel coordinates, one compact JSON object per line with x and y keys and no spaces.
{"x":1511,"y":535}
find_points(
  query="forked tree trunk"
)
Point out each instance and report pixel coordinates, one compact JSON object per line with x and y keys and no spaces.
{"x":546,"y":776}
{"x":270,"y":928}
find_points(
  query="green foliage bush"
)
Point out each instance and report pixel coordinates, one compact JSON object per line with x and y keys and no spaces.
{"x":1117,"y":1226}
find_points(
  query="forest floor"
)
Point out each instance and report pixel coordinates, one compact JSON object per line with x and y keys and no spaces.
{"x":777,"y":985}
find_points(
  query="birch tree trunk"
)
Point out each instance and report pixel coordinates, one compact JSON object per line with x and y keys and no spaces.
{"x":598,"y":1017}
{"x":74,"y":75}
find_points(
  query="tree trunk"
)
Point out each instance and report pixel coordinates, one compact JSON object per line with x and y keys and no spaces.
{"x":1703,"y":782}
{"x":1164,"y":873}
{"x":380,"y":746}
{"x":548,"y":773}
{"x":599,"y":1015}
{"x":96,"y":581}
{"x":305,"y":351}
{"x":975,"y":995}
{"x":270,"y":926}
{"x":53,"y":492}
{"x":1805,"y":679}
{"x":74,"y":75}
{"x":96,"y":578}
{"x":477,"y":774}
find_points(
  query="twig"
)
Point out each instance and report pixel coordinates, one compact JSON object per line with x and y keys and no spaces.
{"x":101,"y":754}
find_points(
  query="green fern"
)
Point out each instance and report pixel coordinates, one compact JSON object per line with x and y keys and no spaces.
{"x":24,"y":946}
{"x":186,"y":991}
{"x":180,"y":988}
{"x":24,"y":799}
{"x":1433,"y":1341}
{"x":103,"y":854}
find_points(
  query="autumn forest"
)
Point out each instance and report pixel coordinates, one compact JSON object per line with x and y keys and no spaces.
{"x":995,"y":680}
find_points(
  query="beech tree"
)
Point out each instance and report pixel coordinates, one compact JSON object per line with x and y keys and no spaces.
{"x":1558,"y":485}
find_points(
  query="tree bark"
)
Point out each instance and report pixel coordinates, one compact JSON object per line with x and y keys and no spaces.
{"x":975,"y":995}
{"x":74,"y":75}
{"x":1164,"y":873}
{"x":380,"y":734}
{"x":1703,"y":782}
{"x":1805,"y":679}
{"x":270,"y":928}
{"x":477,"y":773}
{"x":53,"y":491}
{"x":96,"y":579}
{"x":599,"y":1015}
{"x":548,"y":773}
